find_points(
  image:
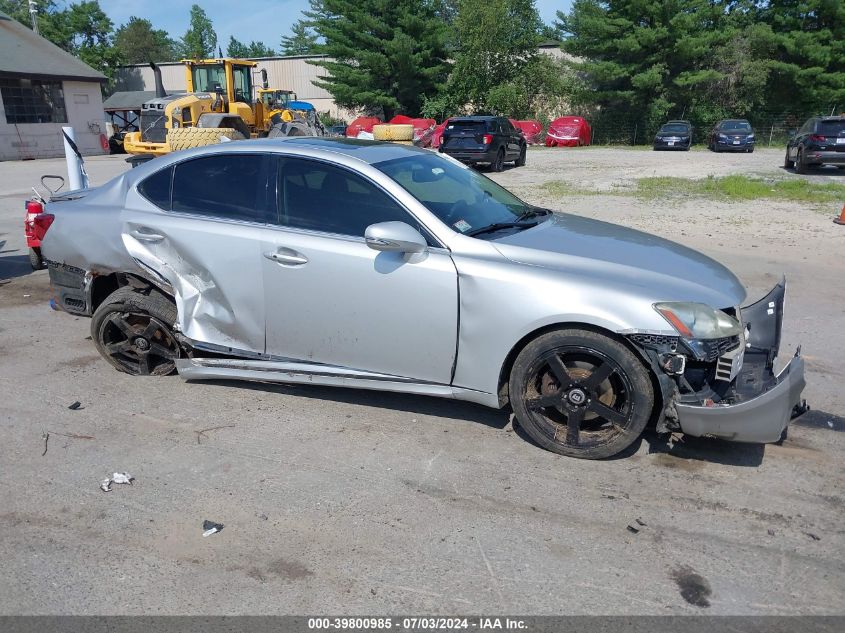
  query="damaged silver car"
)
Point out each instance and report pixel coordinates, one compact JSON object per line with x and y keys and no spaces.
{"x":380,"y":266}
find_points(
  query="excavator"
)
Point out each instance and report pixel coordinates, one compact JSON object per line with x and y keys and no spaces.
{"x":218,"y":104}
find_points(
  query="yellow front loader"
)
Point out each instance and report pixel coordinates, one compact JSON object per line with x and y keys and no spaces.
{"x":218,"y":104}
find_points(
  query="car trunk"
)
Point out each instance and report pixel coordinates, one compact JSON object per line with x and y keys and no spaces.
{"x":465,"y":136}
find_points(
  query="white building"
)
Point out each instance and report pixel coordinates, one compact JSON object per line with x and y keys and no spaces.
{"x":43,"y":88}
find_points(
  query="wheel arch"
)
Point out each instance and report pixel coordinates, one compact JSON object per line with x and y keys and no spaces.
{"x":102,"y":286}
{"x":507,"y":365}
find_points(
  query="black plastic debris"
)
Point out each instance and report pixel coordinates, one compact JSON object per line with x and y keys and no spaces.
{"x":640,"y":522}
{"x":210,"y":527}
{"x":76,"y":405}
{"x":633,"y":530}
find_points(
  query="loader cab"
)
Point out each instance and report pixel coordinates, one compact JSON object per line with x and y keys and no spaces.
{"x":274,"y":99}
{"x":233,"y":77}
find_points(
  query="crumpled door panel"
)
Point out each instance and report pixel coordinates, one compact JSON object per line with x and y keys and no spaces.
{"x":214,"y":271}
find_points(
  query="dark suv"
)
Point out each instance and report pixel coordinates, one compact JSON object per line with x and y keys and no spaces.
{"x":732,"y":135}
{"x":820,"y":141}
{"x":484,"y":139}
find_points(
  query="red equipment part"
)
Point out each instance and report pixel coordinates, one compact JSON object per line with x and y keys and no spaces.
{"x":569,"y":131}
{"x":531,"y":130}
{"x":33,"y":209}
{"x":423,"y":128}
{"x":437,"y":134}
{"x":361,"y":124}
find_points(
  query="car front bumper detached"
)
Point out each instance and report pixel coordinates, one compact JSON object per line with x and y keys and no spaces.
{"x":756,"y":405}
{"x":760,"y":419}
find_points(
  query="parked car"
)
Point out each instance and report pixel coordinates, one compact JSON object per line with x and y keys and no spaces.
{"x":569,"y":131}
{"x":382,"y":266}
{"x":337,"y":130}
{"x":484,"y":139}
{"x":674,"y":135}
{"x":820,"y":141}
{"x":732,"y":135}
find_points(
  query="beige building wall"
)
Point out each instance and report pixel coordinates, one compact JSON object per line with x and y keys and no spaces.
{"x":84,"y":106}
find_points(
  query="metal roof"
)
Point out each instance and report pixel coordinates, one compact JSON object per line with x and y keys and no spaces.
{"x":131,"y":100}
{"x":23,"y":53}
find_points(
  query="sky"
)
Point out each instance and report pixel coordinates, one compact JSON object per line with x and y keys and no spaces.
{"x":247,"y":20}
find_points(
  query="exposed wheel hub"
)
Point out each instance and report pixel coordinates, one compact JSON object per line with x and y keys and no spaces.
{"x":577,"y":396}
{"x":142,"y":344}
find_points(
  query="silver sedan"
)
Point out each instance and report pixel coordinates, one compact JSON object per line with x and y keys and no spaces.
{"x":372,"y":265}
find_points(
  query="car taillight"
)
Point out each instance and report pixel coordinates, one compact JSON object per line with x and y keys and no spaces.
{"x":33,"y":207}
{"x":41,"y":223}
{"x":818,"y":138}
{"x":488,"y":138}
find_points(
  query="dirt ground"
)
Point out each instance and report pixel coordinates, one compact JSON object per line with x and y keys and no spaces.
{"x":351,"y":502}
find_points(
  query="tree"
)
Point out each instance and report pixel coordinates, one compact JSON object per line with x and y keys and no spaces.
{"x":240,"y":50}
{"x":497,"y":48}
{"x":387,"y":54}
{"x":301,"y":41}
{"x":89,"y":31}
{"x":708,"y":59}
{"x":200,"y":41}
{"x":138,"y":42}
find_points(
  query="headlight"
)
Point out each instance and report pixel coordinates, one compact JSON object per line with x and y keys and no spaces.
{"x":698,"y":320}
{"x":750,"y":137}
{"x":723,"y":137}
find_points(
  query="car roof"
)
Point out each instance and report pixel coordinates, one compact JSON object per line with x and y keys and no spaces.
{"x":733,"y":121}
{"x":833,"y":117}
{"x":475,"y":117}
{"x":366,"y":151}
{"x":679,"y":121}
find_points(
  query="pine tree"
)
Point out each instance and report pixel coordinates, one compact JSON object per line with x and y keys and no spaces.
{"x":387,"y":54}
{"x":200,"y":41}
{"x":301,"y":41}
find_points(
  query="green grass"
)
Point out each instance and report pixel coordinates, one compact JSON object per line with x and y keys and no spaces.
{"x":739,"y":188}
{"x":734,"y":188}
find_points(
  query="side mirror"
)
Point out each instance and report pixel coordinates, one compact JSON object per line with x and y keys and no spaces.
{"x":396,"y":237}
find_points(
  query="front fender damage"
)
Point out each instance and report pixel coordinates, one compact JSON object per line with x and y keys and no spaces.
{"x":752,"y":404}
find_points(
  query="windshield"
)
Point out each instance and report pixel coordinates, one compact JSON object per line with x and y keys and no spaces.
{"x":276,"y":99}
{"x":207,"y":78}
{"x":735,"y":126}
{"x":461,"y":197}
{"x":674,"y":128}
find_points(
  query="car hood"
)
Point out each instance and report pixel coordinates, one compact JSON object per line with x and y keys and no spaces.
{"x":601,"y":252}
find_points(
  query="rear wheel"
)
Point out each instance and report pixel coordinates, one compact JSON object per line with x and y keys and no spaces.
{"x":499,"y":163}
{"x":523,"y":153}
{"x":580,"y":393}
{"x":800,"y":165}
{"x":35,"y":259}
{"x":133,"y":331}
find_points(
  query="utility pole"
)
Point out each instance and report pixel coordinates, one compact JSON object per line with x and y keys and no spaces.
{"x":33,"y":12}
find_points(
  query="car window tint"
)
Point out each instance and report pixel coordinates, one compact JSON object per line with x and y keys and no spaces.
{"x":223,"y":186}
{"x":831,"y":128}
{"x":321,"y":197}
{"x":471,"y":127}
{"x":156,"y":188}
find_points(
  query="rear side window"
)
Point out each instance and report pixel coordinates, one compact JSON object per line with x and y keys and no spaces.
{"x":156,"y":188}
{"x":321,"y":197}
{"x":831,"y":128}
{"x":230,"y":186}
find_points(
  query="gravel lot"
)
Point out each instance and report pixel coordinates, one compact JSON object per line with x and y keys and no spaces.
{"x":350,"y":502}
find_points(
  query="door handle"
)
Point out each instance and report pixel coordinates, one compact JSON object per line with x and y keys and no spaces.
{"x":146,"y":235}
{"x":287,"y":257}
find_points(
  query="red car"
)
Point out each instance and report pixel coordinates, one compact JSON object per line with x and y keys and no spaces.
{"x":569,"y":131}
